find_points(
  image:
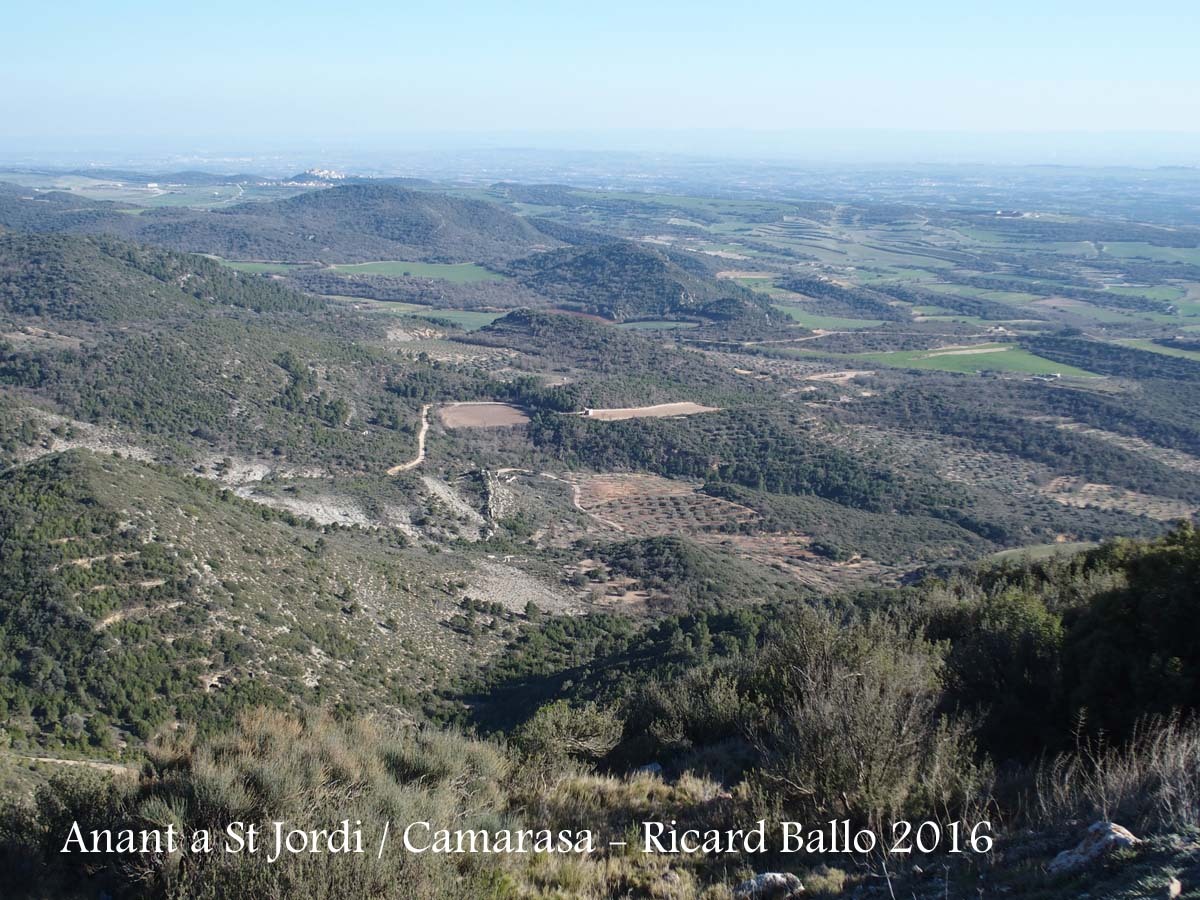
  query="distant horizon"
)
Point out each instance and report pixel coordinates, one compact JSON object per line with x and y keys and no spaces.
{"x":815,"y":148}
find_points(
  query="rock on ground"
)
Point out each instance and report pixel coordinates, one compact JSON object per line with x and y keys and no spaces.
{"x":769,"y":886}
{"x":1101,"y":839}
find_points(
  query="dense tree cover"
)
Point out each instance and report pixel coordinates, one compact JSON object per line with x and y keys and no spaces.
{"x":612,"y":366}
{"x":184,"y":353}
{"x":303,"y":396}
{"x":1179,"y":343}
{"x":24,"y":210}
{"x":1163,"y":412}
{"x":497,"y":294}
{"x":623,"y":280}
{"x":570,"y":234}
{"x":103,"y":280}
{"x":1097,"y":641}
{"x":1114,"y":359}
{"x":215,"y":383}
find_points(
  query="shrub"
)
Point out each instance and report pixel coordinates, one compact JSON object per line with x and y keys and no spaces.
{"x":856,"y":731}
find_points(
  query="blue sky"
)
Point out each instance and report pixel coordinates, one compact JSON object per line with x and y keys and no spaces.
{"x":252,"y":72}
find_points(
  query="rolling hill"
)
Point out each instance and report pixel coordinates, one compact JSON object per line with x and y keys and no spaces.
{"x":347,"y":223}
{"x":98,"y":279}
{"x":624,"y":280}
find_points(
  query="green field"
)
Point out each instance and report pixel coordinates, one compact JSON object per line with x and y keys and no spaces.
{"x":939,"y":314}
{"x":461,"y":273}
{"x":467,"y":319}
{"x":1167,"y":292}
{"x":984,"y":358}
{"x":812,"y":320}
{"x":1133,"y":250}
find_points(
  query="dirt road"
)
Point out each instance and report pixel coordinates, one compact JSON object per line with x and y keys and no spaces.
{"x":420,"y":457}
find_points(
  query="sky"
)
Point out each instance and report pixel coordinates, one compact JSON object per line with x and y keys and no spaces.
{"x":245,"y":74}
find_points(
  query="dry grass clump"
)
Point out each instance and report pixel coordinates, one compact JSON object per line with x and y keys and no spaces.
{"x":1152,"y":782}
{"x":309,"y":772}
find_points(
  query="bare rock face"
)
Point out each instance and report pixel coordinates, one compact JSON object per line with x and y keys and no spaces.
{"x":1101,"y":839}
{"x":769,"y":886}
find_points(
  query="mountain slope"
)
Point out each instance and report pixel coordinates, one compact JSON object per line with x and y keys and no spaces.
{"x":132,"y":596}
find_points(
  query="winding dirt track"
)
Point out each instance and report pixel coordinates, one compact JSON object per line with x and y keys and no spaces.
{"x":420,"y":457}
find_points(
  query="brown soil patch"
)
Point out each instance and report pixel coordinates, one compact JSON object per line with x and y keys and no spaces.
{"x":658,"y":411}
{"x":738,"y":273}
{"x":481,"y":415}
{"x":839,"y":377}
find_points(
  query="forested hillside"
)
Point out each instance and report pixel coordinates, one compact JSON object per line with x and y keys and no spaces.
{"x":623,"y":280}
{"x":104,"y":280}
{"x":348,"y":223}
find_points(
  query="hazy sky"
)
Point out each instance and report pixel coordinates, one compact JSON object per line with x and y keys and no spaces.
{"x":247,"y":72}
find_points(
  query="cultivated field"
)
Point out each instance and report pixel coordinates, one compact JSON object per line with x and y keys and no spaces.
{"x":639,"y":505}
{"x":658,"y":411}
{"x":461,"y":273}
{"x":466,"y":319}
{"x":481,"y":415}
{"x":648,"y":505}
{"x":1081,"y":493}
{"x":984,"y":357}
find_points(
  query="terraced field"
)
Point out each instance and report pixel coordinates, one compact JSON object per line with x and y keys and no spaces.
{"x":648,"y":505}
